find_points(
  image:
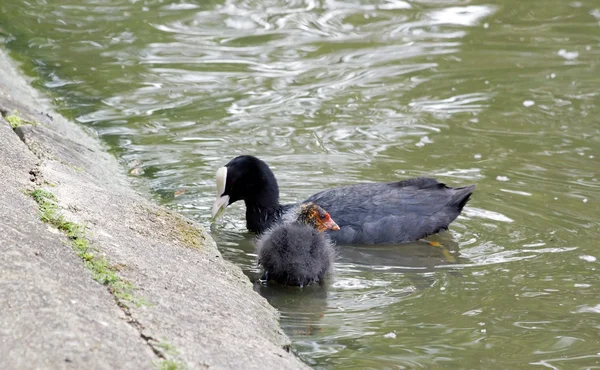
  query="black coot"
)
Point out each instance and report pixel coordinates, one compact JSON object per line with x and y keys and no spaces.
{"x":297,"y":252}
{"x":375,"y":213}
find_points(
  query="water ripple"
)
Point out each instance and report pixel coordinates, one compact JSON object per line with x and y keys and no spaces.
{"x":339,"y":92}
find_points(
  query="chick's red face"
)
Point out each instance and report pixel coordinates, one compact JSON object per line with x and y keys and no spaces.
{"x":321,"y":219}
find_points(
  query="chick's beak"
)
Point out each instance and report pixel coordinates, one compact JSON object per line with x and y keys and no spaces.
{"x":330,"y":224}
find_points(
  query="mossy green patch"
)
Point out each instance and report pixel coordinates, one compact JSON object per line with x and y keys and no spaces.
{"x":171,"y":352}
{"x":180,"y":228}
{"x":188,"y":234}
{"x":170,"y":365}
{"x":168,"y":347}
{"x":15,"y":120}
{"x":47,"y":203}
{"x":101,"y":270}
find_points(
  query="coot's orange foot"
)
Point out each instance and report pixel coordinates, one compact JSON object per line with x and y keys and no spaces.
{"x":447,"y":254}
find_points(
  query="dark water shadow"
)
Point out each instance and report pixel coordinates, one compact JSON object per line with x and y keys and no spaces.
{"x":303,"y":309}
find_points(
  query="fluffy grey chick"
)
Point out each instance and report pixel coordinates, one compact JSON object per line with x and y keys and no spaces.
{"x":297,"y":252}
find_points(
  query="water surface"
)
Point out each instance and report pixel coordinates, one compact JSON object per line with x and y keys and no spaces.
{"x":499,"y":94}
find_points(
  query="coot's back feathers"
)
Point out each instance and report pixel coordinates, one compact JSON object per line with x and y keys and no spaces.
{"x":394,"y":212}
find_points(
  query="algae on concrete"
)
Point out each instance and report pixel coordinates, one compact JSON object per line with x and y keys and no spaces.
{"x":15,"y":120}
{"x":101,"y":270}
{"x":171,"y":365}
{"x":180,"y":228}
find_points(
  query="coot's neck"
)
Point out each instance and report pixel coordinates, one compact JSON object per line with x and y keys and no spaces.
{"x":259,"y":217}
{"x":261,"y":198}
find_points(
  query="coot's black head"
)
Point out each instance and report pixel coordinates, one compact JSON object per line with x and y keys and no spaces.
{"x":315,"y":216}
{"x":245,"y":178}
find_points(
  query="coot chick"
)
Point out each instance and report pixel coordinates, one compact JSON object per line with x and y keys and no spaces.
{"x":374,"y":213}
{"x":297,"y":252}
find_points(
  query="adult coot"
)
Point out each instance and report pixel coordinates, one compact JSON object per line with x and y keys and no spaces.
{"x":297,"y":252}
{"x":375,"y":213}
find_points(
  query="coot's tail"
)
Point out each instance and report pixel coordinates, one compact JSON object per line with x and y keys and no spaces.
{"x":461,"y":196}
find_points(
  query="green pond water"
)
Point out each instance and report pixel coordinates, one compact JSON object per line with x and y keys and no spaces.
{"x":501,"y":94}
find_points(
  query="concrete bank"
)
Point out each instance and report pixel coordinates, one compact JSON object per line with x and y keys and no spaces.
{"x":94,"y":276}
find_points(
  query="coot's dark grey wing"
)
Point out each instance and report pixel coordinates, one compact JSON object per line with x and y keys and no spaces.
{"x":392,"y":212}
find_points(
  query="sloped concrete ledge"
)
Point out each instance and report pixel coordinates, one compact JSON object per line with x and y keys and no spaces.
{"x":185,"y":306}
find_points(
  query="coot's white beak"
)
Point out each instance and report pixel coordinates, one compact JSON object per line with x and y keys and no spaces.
{"x":219,"y":207}
{"x":222,"y":201}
